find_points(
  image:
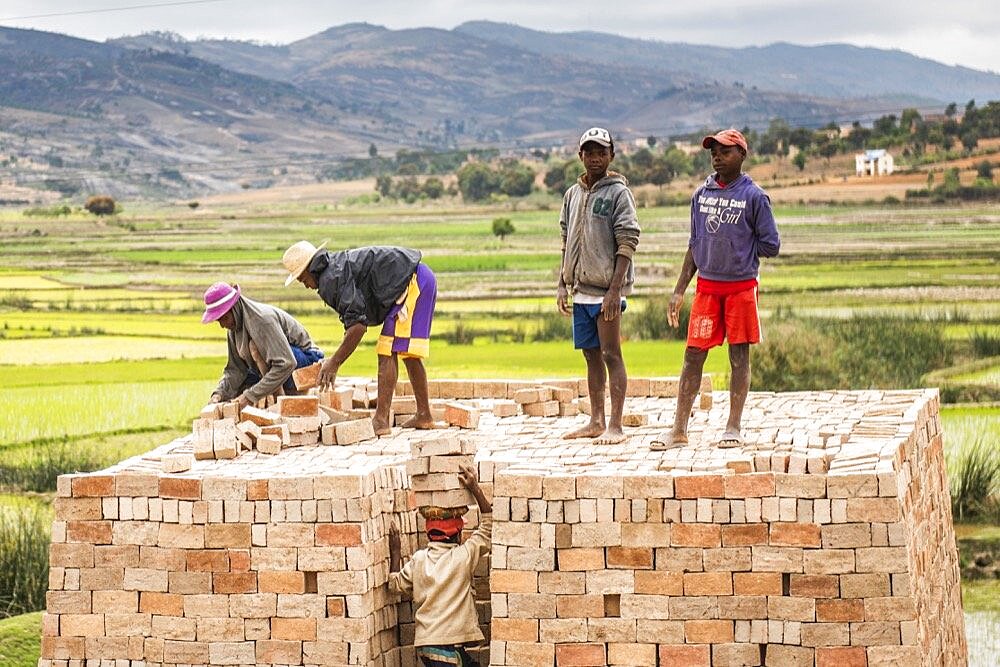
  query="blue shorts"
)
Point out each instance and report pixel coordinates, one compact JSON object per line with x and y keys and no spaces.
{"x":585,"y":316}
{"x":303,"y":358}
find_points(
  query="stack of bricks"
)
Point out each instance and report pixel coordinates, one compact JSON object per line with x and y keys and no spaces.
{"x":433,"y":470}
{"x":226,"y":570}
{"x":826,"y":539}
{"x":604,"y":563}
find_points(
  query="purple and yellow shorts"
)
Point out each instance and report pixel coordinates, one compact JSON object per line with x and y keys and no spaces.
{"x":407,"y":327}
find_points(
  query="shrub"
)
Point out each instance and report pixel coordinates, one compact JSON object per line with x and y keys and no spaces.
{"x":650,"y":322}
{"x":502,"y":227}
{"x":985,"y":344}
{"x":38,"y":471}
{"x":553,"y":326}
{"x":795,"y":356}
{"x":975,"y":478}
{"x":24,"y":560}
{"x":889,"y":353}
{"x":100,"y":204}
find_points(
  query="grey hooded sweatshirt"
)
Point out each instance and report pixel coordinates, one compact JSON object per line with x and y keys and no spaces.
{"x":597,"y":225}
{"x":273,"y":331}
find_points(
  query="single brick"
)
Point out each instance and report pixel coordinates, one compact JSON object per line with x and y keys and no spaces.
{"x":298,"y":406}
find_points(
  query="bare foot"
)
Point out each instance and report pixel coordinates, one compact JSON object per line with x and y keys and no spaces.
{"x":381,"y":426}
{"x":591,"y":430}
{"x":730,"y":438}
{"x":669,"y":441}
{"x":611,"y":436}
{"x":421,"y":423}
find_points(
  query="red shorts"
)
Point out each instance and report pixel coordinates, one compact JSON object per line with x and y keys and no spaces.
{"x":718,"y":317}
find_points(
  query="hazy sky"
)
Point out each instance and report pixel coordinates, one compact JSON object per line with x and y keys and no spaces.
{"x":956,"y":32}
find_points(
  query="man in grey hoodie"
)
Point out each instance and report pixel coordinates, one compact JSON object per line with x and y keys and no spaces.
{"x":600,"y":232}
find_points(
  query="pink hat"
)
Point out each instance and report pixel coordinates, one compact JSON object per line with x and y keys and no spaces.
{"x":219,"y":300}
{"x":726,"y":138}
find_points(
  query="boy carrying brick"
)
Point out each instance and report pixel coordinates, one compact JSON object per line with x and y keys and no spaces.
{"x":732,"y":227}
{"x":600,"y":232}
{"x":439,"y":577}
{"x":375,"y":285}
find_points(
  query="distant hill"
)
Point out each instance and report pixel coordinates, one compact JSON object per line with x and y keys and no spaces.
{"x":830,"y":70}
{"x":155,"y":113}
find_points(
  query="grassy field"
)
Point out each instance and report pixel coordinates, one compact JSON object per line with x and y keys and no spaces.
{"x":103,"y":355}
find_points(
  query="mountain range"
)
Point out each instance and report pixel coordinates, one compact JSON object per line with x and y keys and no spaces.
{"x":157,"y":113}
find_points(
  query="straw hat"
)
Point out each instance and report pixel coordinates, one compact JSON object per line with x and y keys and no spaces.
{"x":219,"y":300}
{"x":297,"y":258}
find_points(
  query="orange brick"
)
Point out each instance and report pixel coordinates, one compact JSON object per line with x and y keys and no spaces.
{"x":699,"y":486}
{"x":257,"y":489}
{"x":277,"y":652}
{"x":89,"y":532}
{"x":815,"y":585}
{"x":338,"y":535}
{"x":630,"y":558}
{"x":661,"y":583}
{"x":461,"y":415}
{"x":230,"y":535}
{"x":336,"y":607}
{"x":93,"y":486}
{"x":281,"y":582}
{"x":307,"y":377}
{"x":581,"y":655}
{"x":514,"y":629}
{"x":696,"y":534}
{"x":708,"y":632}
{"x":841,"y":656}
{"x":744,"y":535}
{"x":295,"y":629}
{"x":180,"y":487}
{"x":574,"y":560}
{"x":161,"y":604}
{"x":750,"y":485}
{"x":513,"y":581}
{"x":795,"y":535}
{"x":234,"y":582}
{"x":580,"y":606}
{"x":708,"y":583}
{"x":840,"y":610}
{"x":239,"y":560}
{"x":685,"y":655}
{"x":298,"y":406}
{"x":207,"y":560}
{"x":757,"y":583}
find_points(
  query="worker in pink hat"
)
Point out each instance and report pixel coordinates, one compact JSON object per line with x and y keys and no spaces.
{"x":732,"y":227}
{"x":385,"y":286}
{"x":265,"y":344}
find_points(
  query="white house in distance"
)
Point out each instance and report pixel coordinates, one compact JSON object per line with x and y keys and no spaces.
{"x":873,"y":163}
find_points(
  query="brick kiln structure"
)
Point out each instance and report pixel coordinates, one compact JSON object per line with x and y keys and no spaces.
{"x":826,"y":540}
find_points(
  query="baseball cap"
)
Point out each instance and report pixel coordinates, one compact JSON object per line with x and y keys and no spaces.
{"x":728,"y":137}
{"x":598,"y":135}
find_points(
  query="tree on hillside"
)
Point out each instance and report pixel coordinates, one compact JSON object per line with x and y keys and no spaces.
{"x":516,"y":179}
{"x":502,"y":227}
{"x":477,"y":181}
{"x":372,"y":150}
{"x":800,"y":160}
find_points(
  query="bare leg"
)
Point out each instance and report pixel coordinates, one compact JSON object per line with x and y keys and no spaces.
{"x":388,"y":372}
{"x":418,"y":380}
{"x":611,"y":354}
{"x":595,"y":387}
{"x":739,"y":387}
{"x":694,"y":362}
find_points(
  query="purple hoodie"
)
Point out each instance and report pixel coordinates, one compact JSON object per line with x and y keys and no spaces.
{"x":731,"y":229}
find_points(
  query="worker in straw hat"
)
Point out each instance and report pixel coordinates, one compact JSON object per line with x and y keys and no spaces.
{"x":375,"y":285}
{"x":265,"y":345}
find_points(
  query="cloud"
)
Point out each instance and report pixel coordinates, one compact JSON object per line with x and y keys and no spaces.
{"x":958,"y":31}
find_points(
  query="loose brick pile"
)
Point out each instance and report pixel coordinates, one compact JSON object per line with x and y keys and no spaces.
{"x":825,"y":540}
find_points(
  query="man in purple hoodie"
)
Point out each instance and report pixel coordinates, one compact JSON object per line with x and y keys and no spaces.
{"x":732,"y":227}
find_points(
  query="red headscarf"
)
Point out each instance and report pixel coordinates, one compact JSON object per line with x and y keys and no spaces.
{"x":441,"y":530}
